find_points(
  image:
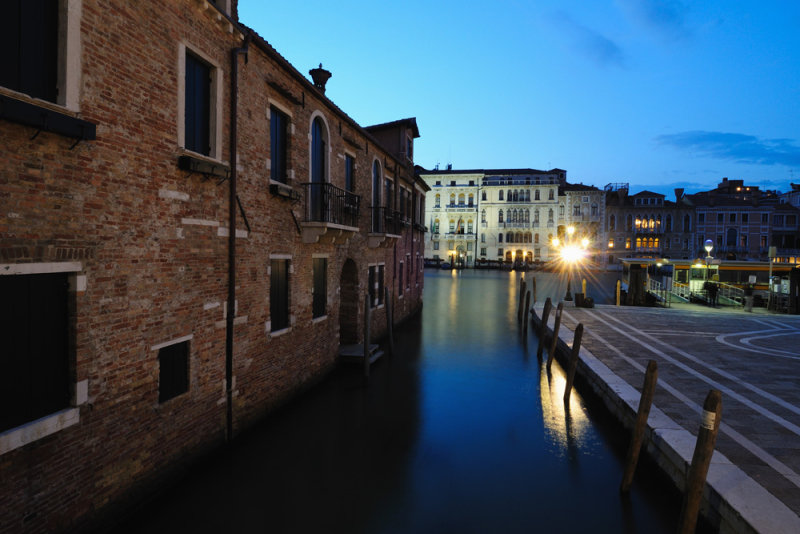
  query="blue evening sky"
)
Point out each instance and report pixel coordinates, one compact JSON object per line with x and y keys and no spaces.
{"x":660,"y":94}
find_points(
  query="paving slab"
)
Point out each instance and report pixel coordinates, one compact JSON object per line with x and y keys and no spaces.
{"x":752,"y":358}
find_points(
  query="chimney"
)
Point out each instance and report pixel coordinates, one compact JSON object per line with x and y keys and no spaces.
{"x":320,"y":77}
{"x":678,"y":194}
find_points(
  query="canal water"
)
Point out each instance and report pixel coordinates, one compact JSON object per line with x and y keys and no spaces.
{"x":461,"y":431}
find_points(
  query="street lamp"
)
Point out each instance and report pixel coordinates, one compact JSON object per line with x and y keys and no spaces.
{"x":571,"y":254}
{"x":709,"y":246}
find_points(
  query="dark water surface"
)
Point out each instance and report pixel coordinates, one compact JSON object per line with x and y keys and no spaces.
{"x":461,"y":431}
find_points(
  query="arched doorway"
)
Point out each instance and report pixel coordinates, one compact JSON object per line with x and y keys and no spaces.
{"x":348,"y":304}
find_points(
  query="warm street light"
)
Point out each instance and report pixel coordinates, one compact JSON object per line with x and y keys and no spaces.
{"x":709,"y":246}
{"x":571,"y":254}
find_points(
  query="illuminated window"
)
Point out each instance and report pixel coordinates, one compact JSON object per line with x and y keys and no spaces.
{"x":610,"y":243}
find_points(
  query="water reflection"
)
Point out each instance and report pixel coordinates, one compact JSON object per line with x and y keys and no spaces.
{"x":454,"y":433}
{"x":566,"y":424}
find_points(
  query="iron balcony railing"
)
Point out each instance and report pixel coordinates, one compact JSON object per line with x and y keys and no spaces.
{"x":327,"y":203}
{"x":386,"y":221}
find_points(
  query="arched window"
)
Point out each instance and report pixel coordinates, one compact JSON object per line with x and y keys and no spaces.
{"x":438,"y":200}
{"x":527,"y":215}
{"x":550,"y":215}
{"x":469,"y":226}
{"x":510,"y":237}
{"x":500,"y":238}
{"x":509,"y":196}
{"x":319,"y":168}
{"x":527,"y":195}
{"x":452,"y":199}
{"x":461,"y":199}
{"x":658,"y":221}
{"x":594,"y":209}
{"x":656,"y":243}
{"x":551,"y":195}
{"x":638,"y":242}
{"x":612,"y":222}
{"x":536,"y":195}
{"x":452,"y":226}
{"x":500,"y":195}
{"x":436,"y":226}
{"x":500,"y":216}
{"x":471,"y":200}
{"x":561,"y":212}
{"x":535,"y":239}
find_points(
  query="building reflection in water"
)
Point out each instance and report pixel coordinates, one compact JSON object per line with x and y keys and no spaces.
{"x":566,"y":425}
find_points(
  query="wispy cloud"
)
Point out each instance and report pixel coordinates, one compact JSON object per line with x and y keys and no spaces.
{"x":667,"y":17}
{"x":589,"y":42}
{"x":736,"y":147}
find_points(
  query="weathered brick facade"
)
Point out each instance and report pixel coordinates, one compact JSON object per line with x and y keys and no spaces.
{"x":143,"y":238}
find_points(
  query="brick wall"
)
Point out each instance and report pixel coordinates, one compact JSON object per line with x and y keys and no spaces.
{"x":151,"y":241}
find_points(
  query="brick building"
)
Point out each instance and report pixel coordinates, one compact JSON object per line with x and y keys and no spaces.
{"x":188,"y":228}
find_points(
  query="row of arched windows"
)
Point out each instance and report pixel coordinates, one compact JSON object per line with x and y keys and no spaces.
{"x":650,"y":222}
{"x":522,"y":195}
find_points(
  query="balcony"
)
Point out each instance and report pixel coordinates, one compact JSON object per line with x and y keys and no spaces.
{"x":386,"y":226}
{"x":460,"y":236}
{"x":330,"y":213}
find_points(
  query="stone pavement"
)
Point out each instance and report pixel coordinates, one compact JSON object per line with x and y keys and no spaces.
{"x":752,"y":358}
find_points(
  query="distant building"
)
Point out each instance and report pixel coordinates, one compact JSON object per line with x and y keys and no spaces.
{"x":743,"y":222}
{"x":647,"y":225}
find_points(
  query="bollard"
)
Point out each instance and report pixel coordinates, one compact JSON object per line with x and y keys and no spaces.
{"x":389,"y":320}
{"x":548,"y":305}
{"x":573,"y":360}
{"x":618,"y":291}
{"x":648,"y":390}
{"x":367,"y":311}
{"x":554,"y":341}
{"x":703,"y":450}
{"x":525,"y":325}
{"x":522,"y":288}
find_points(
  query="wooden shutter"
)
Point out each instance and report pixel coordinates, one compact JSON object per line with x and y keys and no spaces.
{"x":320,"y":287}
{"x":279,"y":294}
{"x":198,"y":106}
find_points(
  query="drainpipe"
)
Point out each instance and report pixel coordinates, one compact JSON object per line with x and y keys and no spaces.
{"x":230,"y":316}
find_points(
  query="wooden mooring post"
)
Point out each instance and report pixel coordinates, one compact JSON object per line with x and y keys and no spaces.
{"x":367,"y":313}
{"x":533,"y":282}
{"x":389,"y":320}
{"x":618,"y":291}
{"x":573,"y":360}
{"x":646,"y":400}
{"x":703,"y":450}
{"x":525,"y":325}
{"x":554,"y":341}
{"x":522,"y":288}
{"x":548,"y":305}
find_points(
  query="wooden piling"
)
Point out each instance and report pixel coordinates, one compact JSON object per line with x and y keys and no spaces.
{"x":367,"y":312}
{"x":573,"y":361}
{"x":618,"y":291}
{"x":583,"y":286}
{"x":389,"y":320}
{"x":646,"y":400}
{"x":554,"y":341}
{"x":522,"y":288}
{"x":548,"y":305}
{"x":525,"y":325}
{"x":533,"y":282}
{"x":703,"y":450}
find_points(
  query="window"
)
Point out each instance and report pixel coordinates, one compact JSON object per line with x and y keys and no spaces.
{"x":483,"y":238}
{"x":400,"y":280}
{"x":612,"y":222}
{"x":483,"y":251}
{"x":350,"y":175}
{"x":34,"y":367}
{"x":469,"y":246}
{"x":732,"y":218}
{"x":483,"y":195}
{"x":500,"y":216}
{"x":388,"y":198}
{"x":29,"y":63}
{"x":452,"y":226}
{"x":594,"y":210}
{"x":763,"y":241}
{"x":627,"y":242}
{"x":576,"y":210}
{"x":550,"y":195}
{"x":279,"y":294}
{"x":500,"y":195}
{"x":687,"y":223}
{"x":745,"y":218}
{"x":536,"y":195}
{"x":320,"y":295}
{"x":499,"y":251}
{"x":701,"y":218}
{"x":500,"y":238}
{"x":764,"y":218}
{"x":471,"y":200}
{"x":197,"y":105}
{"x":375,"y":284}
{"x":437,"y":201}
{"x":720,"y":217}
{"x":278,"y":127}
{"x":319,"y":169}
{"x":668,"y":223}
{"x":173,"y":371}
{"x":743,"y":241}
{"x":561,"y":212}
{"x":483,"y":216}
{"x":435,"y":245}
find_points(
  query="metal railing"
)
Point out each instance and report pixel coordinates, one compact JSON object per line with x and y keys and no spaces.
{"x":734,"y":295}
{"x":658,"y":290}
{"x":681,"y":290}
{"x":325,"y":202}
{"x":386,"y":221}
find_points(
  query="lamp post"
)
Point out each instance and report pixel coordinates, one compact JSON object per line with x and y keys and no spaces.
{"x":570,"y":254}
